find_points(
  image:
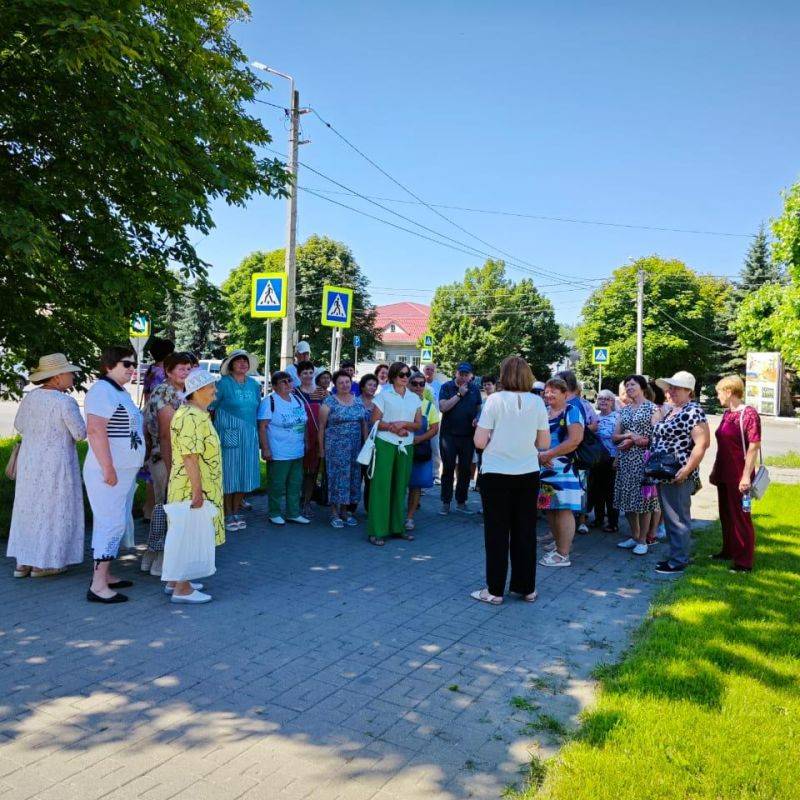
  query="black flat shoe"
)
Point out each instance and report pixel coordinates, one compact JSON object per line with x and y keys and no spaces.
{"x":719,"y":557}
{"x":120,"y":585}
{"x":95,"y":598}
{"x":738,"y":568}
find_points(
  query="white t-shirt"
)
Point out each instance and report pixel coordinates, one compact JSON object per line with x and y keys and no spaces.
{"x":395,"y":408}
{"x":125,"y":425}
{"x":286,"y":432}
{"x":513,"y":418}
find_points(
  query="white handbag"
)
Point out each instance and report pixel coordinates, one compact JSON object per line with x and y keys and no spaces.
{"x":366,"y":455}
{"x":760,"y":483}
{"x":189,"y":549}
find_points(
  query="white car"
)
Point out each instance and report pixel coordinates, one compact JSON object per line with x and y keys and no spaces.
{"x":213,"y":365}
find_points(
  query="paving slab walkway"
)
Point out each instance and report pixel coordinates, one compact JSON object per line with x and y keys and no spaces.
{"x":324,"y":668}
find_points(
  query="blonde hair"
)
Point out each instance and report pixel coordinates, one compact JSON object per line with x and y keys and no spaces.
{"x":732,"y":383}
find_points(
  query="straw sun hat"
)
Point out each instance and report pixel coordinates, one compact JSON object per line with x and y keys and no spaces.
{"x":50,"y":366}
{"x":252,"y":360}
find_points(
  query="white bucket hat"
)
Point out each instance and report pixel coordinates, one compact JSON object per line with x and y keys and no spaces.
{"x":197,"y":379}
{"x":682,"y":379}
{"x":252,"y":362}
{"x":50,"y":366}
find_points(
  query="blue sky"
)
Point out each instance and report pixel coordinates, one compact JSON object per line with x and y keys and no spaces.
{"x":677,"y":115}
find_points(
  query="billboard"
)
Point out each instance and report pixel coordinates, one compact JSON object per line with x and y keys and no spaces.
{"x":763,"y":382}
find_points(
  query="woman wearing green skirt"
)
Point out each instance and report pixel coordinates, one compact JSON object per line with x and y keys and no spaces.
{"x":398,"y":412}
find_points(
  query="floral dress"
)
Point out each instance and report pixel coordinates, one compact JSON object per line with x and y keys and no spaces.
{"x":342,"y":443}
{"x":561,"y":487}
{"x":192,"y":433}
{"x":630,"y":497}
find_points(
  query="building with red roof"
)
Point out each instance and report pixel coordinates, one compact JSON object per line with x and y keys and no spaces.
{"x":400,"y":326}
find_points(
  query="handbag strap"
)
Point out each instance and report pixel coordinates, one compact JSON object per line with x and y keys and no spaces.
{"x":741,"y":431}
{"x":302,"y":397}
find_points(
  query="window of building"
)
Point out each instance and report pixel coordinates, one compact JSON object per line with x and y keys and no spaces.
{"x":392,"y":328}
{"x":404,"y":359}
{"x":415,"y":361}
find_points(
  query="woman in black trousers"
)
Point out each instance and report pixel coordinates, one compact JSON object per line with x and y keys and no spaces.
{"x":512,"y":426}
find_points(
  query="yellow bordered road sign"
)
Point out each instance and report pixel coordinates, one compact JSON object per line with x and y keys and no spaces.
{"x":337,"y":306}
{"x":268,"y":295}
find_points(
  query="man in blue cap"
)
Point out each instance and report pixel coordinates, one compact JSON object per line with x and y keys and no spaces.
{"x":460,"y":404}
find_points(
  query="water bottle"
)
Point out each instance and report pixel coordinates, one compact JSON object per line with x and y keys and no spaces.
{"x":746,"y":502}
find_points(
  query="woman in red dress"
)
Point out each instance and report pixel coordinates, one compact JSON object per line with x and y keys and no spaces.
{"x":738,"y":445}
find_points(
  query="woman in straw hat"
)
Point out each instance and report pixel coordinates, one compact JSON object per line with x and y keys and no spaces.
{"x":238,"y":396}
{"x":47,"y":519}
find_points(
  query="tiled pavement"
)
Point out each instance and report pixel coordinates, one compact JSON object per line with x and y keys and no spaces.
{"x":324,"y":668}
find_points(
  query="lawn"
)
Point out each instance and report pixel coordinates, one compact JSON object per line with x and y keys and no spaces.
{"x":7,"y":486}
{"x":706,"y":703}
{"x":789,"y":459}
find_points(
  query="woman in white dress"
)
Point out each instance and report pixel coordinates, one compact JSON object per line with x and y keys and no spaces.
{"x":116,"y":453}
{"x":47,"y":519}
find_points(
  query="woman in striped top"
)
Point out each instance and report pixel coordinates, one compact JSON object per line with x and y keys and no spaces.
{"x":116,"y":453}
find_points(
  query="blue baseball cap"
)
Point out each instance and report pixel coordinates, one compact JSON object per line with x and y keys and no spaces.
{"x":464,"y":366}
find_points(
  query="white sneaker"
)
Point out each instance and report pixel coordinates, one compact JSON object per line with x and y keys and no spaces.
{"x":555,"y":559}
{"x":277,"y":520}
{"x":171,"y":589}
{"x":232,"y":524}
{"x":158,"y":562}
{"x":147,"y":561}
{"x":240,"y":522}
{"x":299,"y":520}
{"x":640,"y":549}
{"x":583,"y":529}
{"x":195,"y":598}
{"x":628,"y":544}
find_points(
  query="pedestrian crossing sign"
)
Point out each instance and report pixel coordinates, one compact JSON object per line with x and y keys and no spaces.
{"x":426,"y":354}
{"x":337,"y":306}
{"x":268,"y":295}
{"x":600,"y":355}
{"x":427,"y":340}
{"x":139,"y":327}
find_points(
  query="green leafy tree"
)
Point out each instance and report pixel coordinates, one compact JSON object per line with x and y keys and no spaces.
{"x":200,"y":320}
{"x":786,"y":230}
{"x":486,"y":317}
{"x":680,"y":314}
{"x":320,"y":261}
{"x":119,"y":122}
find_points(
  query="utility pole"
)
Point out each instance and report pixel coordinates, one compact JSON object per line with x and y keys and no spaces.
{"x":288,"y":326}
{"x":640,"y":322}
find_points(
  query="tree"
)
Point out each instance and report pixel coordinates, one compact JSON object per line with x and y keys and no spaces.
{"x":681,"y":309}
{"x":119,"y":123}
{"x":786,"y":229}
{"x":320,"y":260}
{"x":486,"y":317}
{"x":199,"y":325}
{"x":759,"y":267}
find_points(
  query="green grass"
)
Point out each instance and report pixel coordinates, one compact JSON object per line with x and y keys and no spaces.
{"x":7,"y":486}
{"x":790,"y":459}
{"x":706,"y":703}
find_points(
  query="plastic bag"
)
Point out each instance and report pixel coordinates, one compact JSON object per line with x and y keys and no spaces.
{"x":189,"y":550}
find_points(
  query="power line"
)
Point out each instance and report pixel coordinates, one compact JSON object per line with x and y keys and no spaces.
{"x":686,"y":327}
{"x":546,"y":218}
{"x":435,"y":210}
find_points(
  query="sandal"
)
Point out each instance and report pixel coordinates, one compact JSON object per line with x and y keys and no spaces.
{"x":610,"y":529}
{"x":484,"y":596}
{"x":376,"y":541}
{"x":22,"y":573}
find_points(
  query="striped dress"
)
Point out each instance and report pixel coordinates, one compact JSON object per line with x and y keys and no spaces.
{"x":235,"y":410}
{"x":561,"y":488}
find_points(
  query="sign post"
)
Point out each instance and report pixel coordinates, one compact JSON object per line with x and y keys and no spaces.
{"x":139,"y":333}
{"x":600,"y":356}
{"x":268,"y":302}
{"x":356,"y":345}
{"x":337,"y":313}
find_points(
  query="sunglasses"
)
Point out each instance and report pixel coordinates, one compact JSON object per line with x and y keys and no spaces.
{"x":417,"y":383}
{"x":404,"y":374}
{"x":128,"y":364}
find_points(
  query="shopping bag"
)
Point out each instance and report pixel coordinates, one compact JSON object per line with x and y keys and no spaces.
{"x":189,"y":550}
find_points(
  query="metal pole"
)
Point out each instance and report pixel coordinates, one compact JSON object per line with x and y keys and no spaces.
{"x":599,"y":377}
{"x":355,"y":359}
{"x":640,"y":322}
{"x":267,"y":348}
{"x":288,"y":327}
{"x":333,"y":349}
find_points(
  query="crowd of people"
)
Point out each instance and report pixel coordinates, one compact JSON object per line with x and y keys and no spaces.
{"x":530,"y":449}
